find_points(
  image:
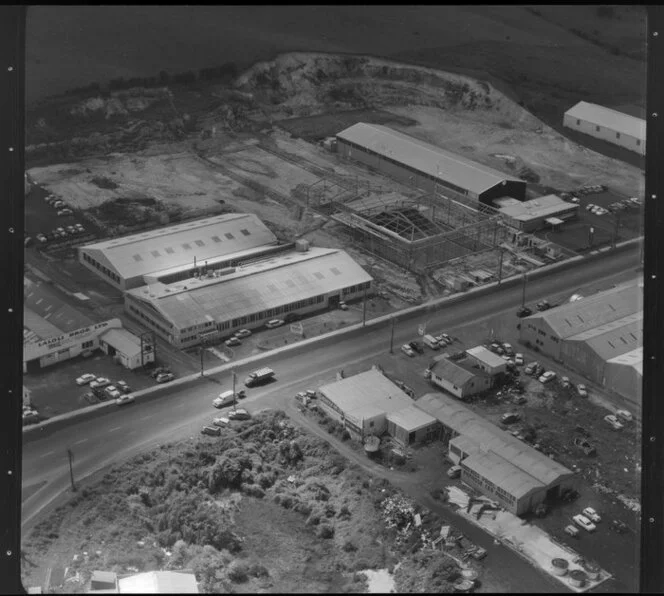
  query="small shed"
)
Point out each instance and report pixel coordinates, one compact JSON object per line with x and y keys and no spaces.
{"x":487,"y":361}
{"x":412,"y":425}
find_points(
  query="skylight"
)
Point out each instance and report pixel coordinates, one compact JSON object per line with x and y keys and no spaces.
{"x":200,"y":243}
{"x":155,"y":253}
{"x":319,"y":275}
{"x":230,"y":236}
{"x":186,"y":246}
{"x":246,"y":232}
{"x":216,"y":238}
{"x":138,"y":258}
{"x":335,"y":271}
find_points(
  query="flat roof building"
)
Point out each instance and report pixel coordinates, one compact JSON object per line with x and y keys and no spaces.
{"x":425,"y":166}
{"x":411,"y":425}
{"x":487,"y":361}
{"x":607,"y":124}
{"x":126,"y":348}
{"x":482,"y":449}
{"x":247,"y":296}
{"x":123,"y":262}
{"x":542,"y":212}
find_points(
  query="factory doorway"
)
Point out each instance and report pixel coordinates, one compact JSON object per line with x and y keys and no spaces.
{"x":333,"y":302}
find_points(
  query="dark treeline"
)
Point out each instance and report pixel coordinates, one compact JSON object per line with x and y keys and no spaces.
{"x":224,"y":73}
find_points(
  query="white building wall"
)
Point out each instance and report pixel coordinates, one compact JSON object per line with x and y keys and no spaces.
{"x":447,"y":386}
{"x":604,"y":133}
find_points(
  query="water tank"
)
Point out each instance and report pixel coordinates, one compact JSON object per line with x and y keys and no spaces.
{"x":302,"y":245}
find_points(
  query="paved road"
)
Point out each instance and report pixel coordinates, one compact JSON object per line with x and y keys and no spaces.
{"x":179,"y":413}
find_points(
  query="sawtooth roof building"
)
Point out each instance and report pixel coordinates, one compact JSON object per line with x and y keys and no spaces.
{"x":174,"y":252}
{"x":598,"y":336}
{"x":226,"y":300}
{"x":609,"y":125}
{"x":493,"y":461}
{"x":425,"y":166}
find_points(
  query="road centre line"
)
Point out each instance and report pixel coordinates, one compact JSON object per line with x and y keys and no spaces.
{"x":114,"y":429}
{"x":81,"y":441}
{"x":47,"y":453}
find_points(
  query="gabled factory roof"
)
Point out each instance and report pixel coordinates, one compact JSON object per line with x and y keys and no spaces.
{"x":40,"y":301}
{"x":424,"y":157}
{"x":608,"y":118}
{"x":573,"y":318}
{"x":489,"y":437}
{"x":173,"y":246}
{"x":614,"y":338}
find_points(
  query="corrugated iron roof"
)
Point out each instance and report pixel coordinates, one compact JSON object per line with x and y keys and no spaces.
{"x":173,"y":246}
{"x":38,"y":327}
{"x":160,"y":582}
{"x":424,"y":157}
{"x":453,"y":372}
{"x":608,"y":118}
{"x":366,"y":395}
{"x":123,"y":341}
{"x":491,"y":438}
{"x":614,"y":338}
{"x":411,"y":418}
{"x":44,"y":303}
{"x":487,"y":356}
{"x":280,"y":280}
{"x":573,"y":318}
{"x":633,"y":358}
{"x":502,"y":473}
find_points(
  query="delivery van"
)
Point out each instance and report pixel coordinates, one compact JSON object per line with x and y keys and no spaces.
{"x":430,"y":340}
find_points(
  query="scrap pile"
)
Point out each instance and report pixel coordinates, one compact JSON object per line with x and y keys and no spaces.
{"x":399,"y":513}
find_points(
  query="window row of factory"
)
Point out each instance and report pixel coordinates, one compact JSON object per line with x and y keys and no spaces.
{"x":597,"y":129}
{"x":105,"y":270}
{"x":139,"y":313}
{"x":487,"y":484}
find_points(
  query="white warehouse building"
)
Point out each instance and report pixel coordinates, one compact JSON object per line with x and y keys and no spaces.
{"x":609,"y":125}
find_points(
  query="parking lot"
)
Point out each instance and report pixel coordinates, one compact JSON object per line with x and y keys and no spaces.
{"x":54,"y":389}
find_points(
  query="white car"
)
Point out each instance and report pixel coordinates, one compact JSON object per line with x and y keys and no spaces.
{"x":99,"y":383}
{"x":343,"y":305}
{"x":592,"y":515}
{"x":584,"y":522}
{"x":613,"y":421}
{"x":233,"y":341}
{"x":221,"y":421}
{"x":124,"y":399}
{"x":624,"y":415}
{"x":274,"y":323}
{"x":85,"y":379}
{"x":113,"y":392}
{"x":590,"y":207}
{"x":42,"y":238}
{"x":582,"y":390}
{"x":575,"y":200}
{"x":243,"y":333}
{"x":518,"y":359}
{"x":406,"y":349}
{"x":549,"y":375}
{"x":508,"y":349}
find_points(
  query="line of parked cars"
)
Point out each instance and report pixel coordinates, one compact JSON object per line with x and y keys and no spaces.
{"x":102,"y":389}
{"x":60,"y":232}
{"x":587,"y":520}
{"x":435,"y":342}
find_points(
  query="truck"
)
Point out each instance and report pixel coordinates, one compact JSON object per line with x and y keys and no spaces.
{"x":430,"y":340}
{"x":258,"y":377}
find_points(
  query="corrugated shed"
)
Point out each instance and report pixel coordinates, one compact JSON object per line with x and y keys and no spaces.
{"x":452,"y":372}
{"x":45,"y":304}
{"x":411,"y":419}
{"x":174,"y":246}
{"x":366,"y":395}
{"x":486,"y":356}
{"x":573,"y":318}
{"x":614,"y":338}
{"x":124,"y":341}
{"x":505,"y":475}
{"x":608,"y":118}
{"x":425,"y":157}
{"x":491,"y":438}
{"x":281,"y":280}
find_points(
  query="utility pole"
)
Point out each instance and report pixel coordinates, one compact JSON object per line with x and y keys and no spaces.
{"x":500,"y":266}
{"x":615,"y":229}
{"x":70,"y":455}
{"x":364,"y":308}
{"x":523,"y":295}
{"x":392,"y":336}
{"x":234,"y":396}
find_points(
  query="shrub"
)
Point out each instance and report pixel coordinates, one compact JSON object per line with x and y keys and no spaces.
{"x":303,"y":508}
{"x":258,"y":570}
{"x":344,"y":512}
{"x":349,"y":547}
{"x":325,"y":531}
{"x":238,"y":571}
{"x":330,"y":510}
{"x":313,"y":520}
{"x":253,"y":490}
{"x":266,"y":479}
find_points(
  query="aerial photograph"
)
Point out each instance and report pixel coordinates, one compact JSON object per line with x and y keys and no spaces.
{"x":333,"y":299}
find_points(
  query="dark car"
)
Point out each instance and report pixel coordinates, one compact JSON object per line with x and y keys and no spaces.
{"x":417,"y":347}
{"x":509,"y":417}
{"x":160,"y":370}
{"x":213,"y":431}
{"x":524,"y":311}
{"x":539,"y":371}
{"x":291,"y":317}
{"x":543,"y":305}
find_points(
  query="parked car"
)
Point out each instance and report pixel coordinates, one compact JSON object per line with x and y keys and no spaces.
{"x":454,"y":472}
{"x":239,"y":414}
{"x":417,"y":347}
{"x":63,"y":212}
{"x":548,"y":376}
{"x":274,"y":323}
{"x":575,"y":200}
{"x":584,"y":522}
{"x":592,"y":515}
{"x":539,"y":371}
{"x":508,"y":349}
{"x":624,"y":415}
{"x":123,"y":400}
{"x":406,"y":349}
{"x":635,"y":201}
{"x":613,"y":422}
{"x":85,"y":379}
{"x":113,"y":392}
{"x":71,"y":230}
{"x":564,"y":381}
{"x":233,"y":341}
{"x":343,"y":305}
{"x":524,"y":311}
{"x":159,"y":371}
{"x":99,"y":383}
{"x":220,"y":421}
{"x":122,"y":386}
{"x":581,"y":390}
{"x":618,"y":526}
{"x":494,"y":347}
{"x":213,"y":431}
{"x":518,"y":359}
{"x":590,"y":206}
{"x":531,"y":368}
{"x":572,"y":531}
{"x":225,"y":399}
{"x":41,"y":238}
{"x":243,"y":333}
{"x":509,"y":417}
{"x":80,"y":228}
{"x":543,"y":305}
{"x":292,"y":317}
{"x":165,"y":377}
